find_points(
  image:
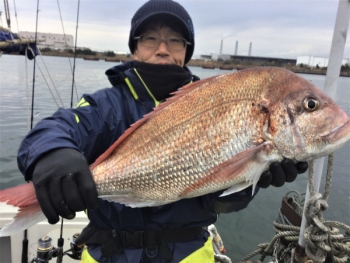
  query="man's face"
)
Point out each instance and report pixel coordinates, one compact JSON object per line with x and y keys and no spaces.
{"x":161,"y":54}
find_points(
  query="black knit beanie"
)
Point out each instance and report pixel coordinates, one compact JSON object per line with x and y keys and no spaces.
{"x":165,"y":10}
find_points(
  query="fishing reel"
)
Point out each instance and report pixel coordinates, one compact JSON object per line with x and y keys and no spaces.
{"x":46,"y":251}
{"x":75,"y":250}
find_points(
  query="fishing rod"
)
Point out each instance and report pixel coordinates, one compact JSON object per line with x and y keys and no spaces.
{"x":33,"y":87}
{"x":7,"y":14}
{"x":75,"y":54}
{"x":45,"y":251}
{"x":25,"y":239}
{"x":24,"y":257}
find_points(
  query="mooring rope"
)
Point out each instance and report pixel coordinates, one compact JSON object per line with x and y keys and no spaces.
{"x":321,"y":236}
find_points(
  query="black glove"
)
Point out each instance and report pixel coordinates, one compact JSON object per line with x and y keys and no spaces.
{"x":63,"y":184}
{"x":279,"y":173}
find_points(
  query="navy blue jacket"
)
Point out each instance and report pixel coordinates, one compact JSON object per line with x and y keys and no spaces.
{"x":97,"y":122}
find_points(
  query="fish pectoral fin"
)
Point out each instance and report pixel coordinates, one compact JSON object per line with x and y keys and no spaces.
{"x":236,"y":188}
{"x":263,"y":156}
{"x":237,"y":173}
{"x":250,"y":178}
{"x":131,"y":200}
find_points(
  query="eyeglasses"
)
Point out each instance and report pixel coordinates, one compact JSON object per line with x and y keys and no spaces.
{"x":174,"y":43}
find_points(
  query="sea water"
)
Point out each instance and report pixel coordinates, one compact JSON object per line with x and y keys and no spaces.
{"x":241,"y":231}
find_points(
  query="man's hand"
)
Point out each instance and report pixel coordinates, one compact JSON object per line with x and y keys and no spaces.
{"x":279,"y":173}
{"x":63,"y":184}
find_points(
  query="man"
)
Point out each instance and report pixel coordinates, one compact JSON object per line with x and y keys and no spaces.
{"x":57,"y":152}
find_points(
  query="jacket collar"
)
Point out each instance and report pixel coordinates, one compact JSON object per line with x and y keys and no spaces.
{"x":113,"y":74}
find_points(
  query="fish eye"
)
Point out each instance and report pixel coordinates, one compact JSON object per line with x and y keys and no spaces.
{"x":311,"y":104}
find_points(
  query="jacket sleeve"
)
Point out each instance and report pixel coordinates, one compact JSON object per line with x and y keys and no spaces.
{"x":230,"y":203}
{"x":90,"y":128}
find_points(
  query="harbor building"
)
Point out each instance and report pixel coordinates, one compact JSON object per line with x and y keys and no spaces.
{"x":251,"y":60}
{"x":321,"y":62}
{"x":51,"y":40}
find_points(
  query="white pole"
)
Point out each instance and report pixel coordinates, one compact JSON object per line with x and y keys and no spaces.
{"x":330,"y":87}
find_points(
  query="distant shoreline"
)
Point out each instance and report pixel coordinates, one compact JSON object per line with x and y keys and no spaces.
{"x":209,"y":64}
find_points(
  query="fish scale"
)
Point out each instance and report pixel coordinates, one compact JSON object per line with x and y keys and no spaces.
{"x":196,"y":132}
{"x":179,"y":151}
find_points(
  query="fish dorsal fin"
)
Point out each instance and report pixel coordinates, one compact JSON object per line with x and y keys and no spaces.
{"x":177,"y":94}
{"x":181,"y":92}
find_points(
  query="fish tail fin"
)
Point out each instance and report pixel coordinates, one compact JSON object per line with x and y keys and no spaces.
{"x":24,"y":198}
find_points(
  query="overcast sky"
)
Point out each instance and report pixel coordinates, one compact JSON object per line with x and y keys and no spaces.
{"x":280,"y":28}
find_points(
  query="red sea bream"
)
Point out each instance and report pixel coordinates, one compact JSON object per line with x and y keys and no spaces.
{"x":217,"y":133}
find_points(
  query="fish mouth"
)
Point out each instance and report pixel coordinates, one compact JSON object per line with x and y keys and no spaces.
{"x":339,"y":135}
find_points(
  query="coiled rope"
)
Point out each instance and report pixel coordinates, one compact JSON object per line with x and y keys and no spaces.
{"x":322,"y":237}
